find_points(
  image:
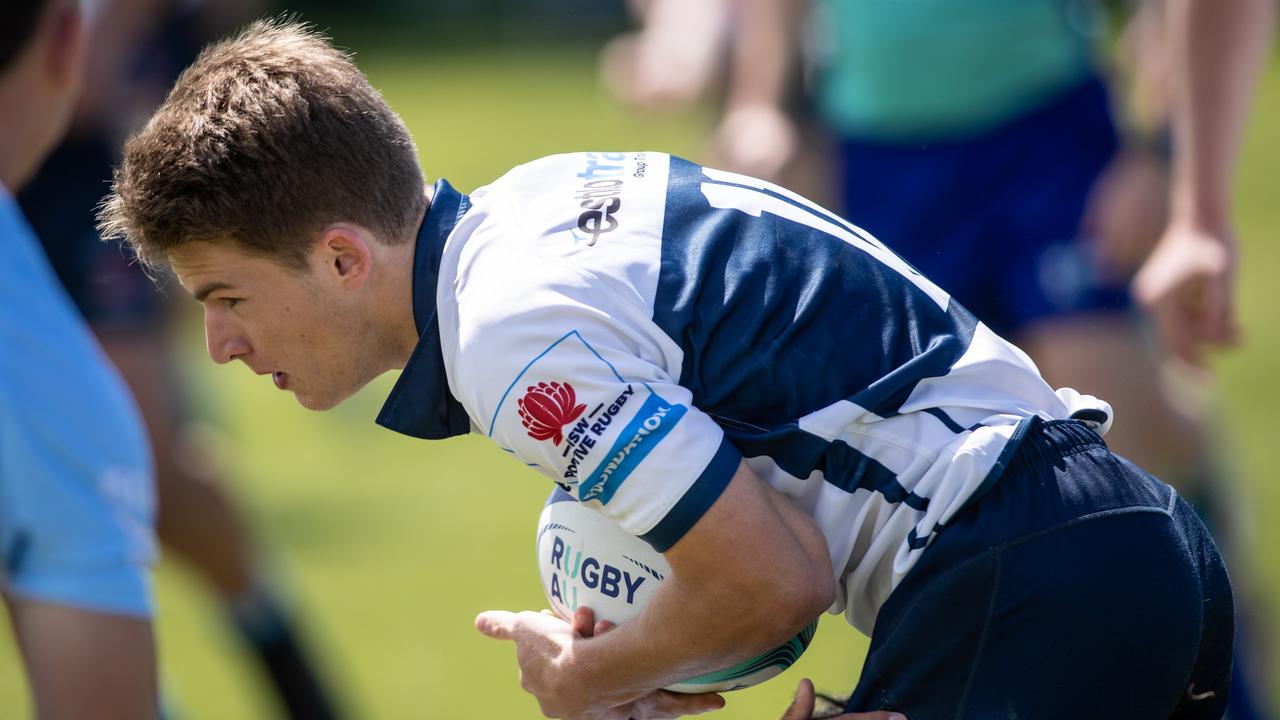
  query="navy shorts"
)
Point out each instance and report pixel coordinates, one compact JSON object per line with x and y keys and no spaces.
{"x":1078,"y":587}
{"x":111,"y":290}
{"x":995,"y":220}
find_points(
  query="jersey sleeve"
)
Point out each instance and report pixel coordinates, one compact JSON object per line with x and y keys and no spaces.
{"x":574,"y":398}
{"x":76,"y":506}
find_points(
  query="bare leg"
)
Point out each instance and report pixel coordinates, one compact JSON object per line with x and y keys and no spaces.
{"x":1106,"y":355}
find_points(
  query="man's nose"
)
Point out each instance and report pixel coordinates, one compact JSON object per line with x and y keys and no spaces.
{"x":225,"y":344}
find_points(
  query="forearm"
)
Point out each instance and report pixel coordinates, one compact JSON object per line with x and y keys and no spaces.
{"x":701,"y":620}
{"x":1218,"y":49}
{"x":83,"y":664}
{"x":765,"y":48}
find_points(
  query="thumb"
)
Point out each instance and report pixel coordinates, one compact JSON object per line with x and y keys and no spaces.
{"x":801,"y":707}
{"x":497,"y":624}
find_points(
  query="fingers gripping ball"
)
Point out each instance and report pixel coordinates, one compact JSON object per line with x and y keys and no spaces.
{"x":586,"y":559}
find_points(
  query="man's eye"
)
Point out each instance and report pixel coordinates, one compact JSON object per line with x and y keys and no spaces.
{"x":231,"y":302}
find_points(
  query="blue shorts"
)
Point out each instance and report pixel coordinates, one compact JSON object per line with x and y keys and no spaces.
{"x":1079,"y":586}
{"x":995,"y":220}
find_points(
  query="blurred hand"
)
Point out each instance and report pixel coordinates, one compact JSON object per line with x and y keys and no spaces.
{"x":671,"y":62}
{"x":1188,"y":285}
{"x":802,"y":708}
{"x":756,"y":140}
{"x":545,"y":650}
{"x":1128,"y":209}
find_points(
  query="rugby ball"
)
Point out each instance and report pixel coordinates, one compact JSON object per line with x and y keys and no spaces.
{"x":587,"y":559}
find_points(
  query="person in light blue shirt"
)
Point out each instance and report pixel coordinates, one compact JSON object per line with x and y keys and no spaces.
{"x":75,"y":468}
{"x":76,"y":499}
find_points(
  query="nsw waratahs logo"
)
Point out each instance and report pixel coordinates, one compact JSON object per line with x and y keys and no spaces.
{"x":546,"y":408}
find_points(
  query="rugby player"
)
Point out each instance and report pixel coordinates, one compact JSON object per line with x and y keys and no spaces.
{"x":76,"y":490}
{"x":761,"y":390}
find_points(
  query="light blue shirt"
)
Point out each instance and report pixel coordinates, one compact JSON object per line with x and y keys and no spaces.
{"x":76,"y":478}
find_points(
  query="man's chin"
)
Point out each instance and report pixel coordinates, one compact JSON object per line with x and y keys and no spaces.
{"x":319,"y":402}
{"x":312,"y":402}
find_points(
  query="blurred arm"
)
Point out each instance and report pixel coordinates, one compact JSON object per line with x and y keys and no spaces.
{"x":756,"y":136}
{"x":84,"y":665}
{"x":1216,"y":51}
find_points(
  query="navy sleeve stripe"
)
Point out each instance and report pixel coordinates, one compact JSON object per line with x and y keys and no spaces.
{"x":799,"y":454}
{"x":697,"y":500}
{"x":945,"y":419}
{"x":812,"y":210}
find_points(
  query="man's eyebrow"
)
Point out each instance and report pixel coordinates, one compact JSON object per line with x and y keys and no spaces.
{"x":205,"y":290}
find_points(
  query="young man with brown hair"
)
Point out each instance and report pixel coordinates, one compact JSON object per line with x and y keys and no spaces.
{"x":762,"y":391}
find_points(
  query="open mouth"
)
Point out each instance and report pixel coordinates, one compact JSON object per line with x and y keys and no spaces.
{"x":280,"y":379}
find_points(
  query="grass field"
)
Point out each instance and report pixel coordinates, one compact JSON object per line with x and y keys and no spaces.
{"x":390,"y":546}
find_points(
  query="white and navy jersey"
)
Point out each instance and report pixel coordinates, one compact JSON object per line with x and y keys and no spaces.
{"x":634,"y":326}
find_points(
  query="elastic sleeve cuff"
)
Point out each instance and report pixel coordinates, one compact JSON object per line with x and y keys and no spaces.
{"x":697,"y":500}
{"x":126,"y":592}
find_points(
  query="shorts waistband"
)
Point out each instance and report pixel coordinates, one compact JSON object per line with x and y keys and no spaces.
{"x":1047,"y":441}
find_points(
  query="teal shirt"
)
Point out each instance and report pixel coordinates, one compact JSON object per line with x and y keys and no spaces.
{"x":906,"y":70}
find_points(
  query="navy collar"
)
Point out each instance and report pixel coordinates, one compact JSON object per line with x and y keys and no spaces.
{"x":420,"y":405}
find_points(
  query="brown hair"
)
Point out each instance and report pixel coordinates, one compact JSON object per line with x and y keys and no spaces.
{"x":265,"y":139}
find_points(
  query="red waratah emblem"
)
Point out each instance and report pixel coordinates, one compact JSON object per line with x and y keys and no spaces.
{"x":546,"y":408}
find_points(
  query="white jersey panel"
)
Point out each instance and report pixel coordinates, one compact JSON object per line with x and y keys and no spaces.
{"x":549,"y":345}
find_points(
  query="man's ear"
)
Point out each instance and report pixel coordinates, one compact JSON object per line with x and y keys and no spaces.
{"x":346,"y":254}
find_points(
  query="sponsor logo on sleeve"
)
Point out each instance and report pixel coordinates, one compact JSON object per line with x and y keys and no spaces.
{"x":546,"y":408}
{"x":600,"y":439}
{"x":600,"y":196}
{"x":550,"y":411}
{"x":646,"y":429}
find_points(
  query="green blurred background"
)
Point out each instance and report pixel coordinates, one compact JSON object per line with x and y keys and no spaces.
{"x":390,"y":546}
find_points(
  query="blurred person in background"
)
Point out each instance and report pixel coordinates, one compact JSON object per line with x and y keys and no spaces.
{"x":137,"y":49}
{"x":981,"y":137}
{"x":683,"y":53}
{"x":674,"y":59}
{"x":76,"y":495}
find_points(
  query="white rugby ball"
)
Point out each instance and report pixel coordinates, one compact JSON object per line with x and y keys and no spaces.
{"x":587,"y":559}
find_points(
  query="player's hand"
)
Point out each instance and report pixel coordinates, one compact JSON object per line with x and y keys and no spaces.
{"x":657,"y":704}
{"x":545,"y":653}
{"x":585,"y":625}
{"x":755,"y":140}
{"x":1188,"y":285}
{"x":802,"y":708}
